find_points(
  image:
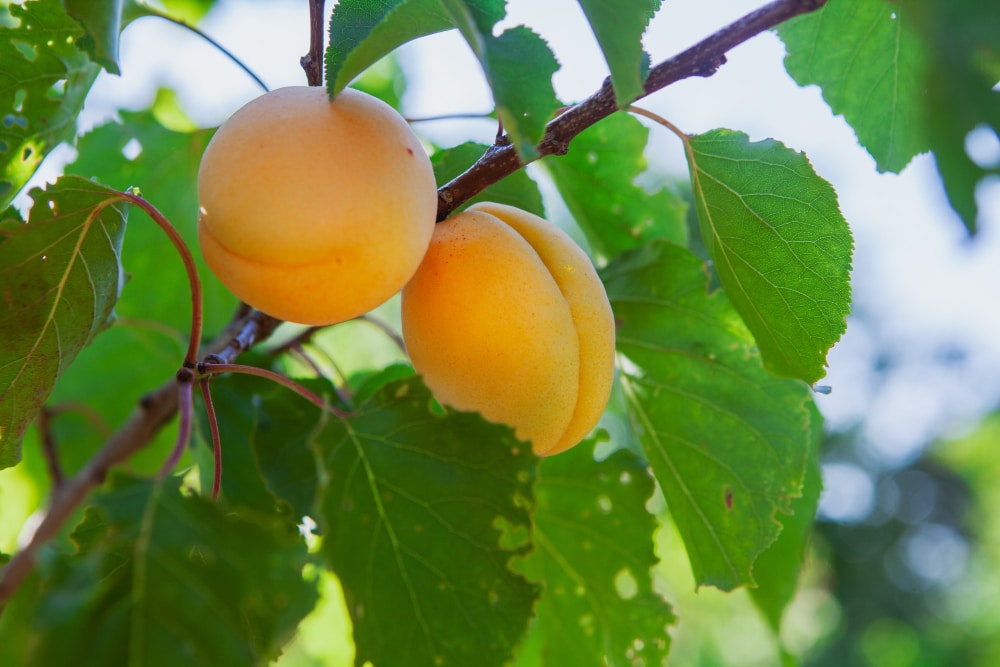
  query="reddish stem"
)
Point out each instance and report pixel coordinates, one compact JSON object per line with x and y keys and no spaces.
{"x":215,"y":369}
{"x":213,"y":425}
{"x":185,"y":406}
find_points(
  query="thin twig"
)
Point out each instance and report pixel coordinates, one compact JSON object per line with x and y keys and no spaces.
{"x":209,"y":368}
{"x":185,"y":387}
{"x":312,"y":62}
{"x":213,"y":426}
{"x":153,"y":12}
{"x":49,"y":449}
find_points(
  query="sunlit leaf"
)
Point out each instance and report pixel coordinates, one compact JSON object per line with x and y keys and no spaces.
{"x":167,"y":578}
{"x":777,"y":569}
{"x":869,"y":61}
{"x":597,"y":181}
{"x":618,"y":27}
{"x":44,"y":79}
{"x":102,"y":22}
{"x":60,"y":276}
{"x":779,"y":244}
{"x":421,"y":515}
{"x":593,"y":552}
{"x":363,"y":31}
{"x":518,"y":65}
{"x":727,"y":441}
{"x":518,"y":189}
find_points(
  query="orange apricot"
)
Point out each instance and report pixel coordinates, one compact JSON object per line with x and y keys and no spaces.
{"x":507,"y":316}
{"x":315,"y":211}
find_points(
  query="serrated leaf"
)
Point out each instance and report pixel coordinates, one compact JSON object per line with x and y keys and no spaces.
{"x":421,"y":515}
{"x":518,"y":65}
{"x":779,"y":243}
{"x":102,"y":22}
{"x":593,"y":552}
{"x":44,"y":79}
{"x":363,"y":31}
{"x":869,"y":60}
{"x":726,"y":440}
{"x":597,"y":181}
{"x":60,"y":276}
{"x":164,"y":578}
{"x":618,"y":27}
{"x":518,"y":189}
{"x":777,"y":569}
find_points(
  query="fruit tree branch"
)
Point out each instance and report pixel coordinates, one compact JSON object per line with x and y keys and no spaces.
{"x":702,"y":59}
{"x":312,"y":62}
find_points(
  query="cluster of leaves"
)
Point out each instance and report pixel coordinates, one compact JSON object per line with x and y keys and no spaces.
{"x":453,"y":544}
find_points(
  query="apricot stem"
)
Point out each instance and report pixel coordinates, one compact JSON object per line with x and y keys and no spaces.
{"x":191,"y":357}
{"x":213,"y":425}
{"x":185,"y":406}
{"x":215,"y":369}
{"x":312,"y":62}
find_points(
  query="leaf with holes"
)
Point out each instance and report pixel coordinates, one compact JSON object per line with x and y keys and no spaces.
{"x":518,"y":65}
{"x":102,"y":21}
{"x":597,"y":181}
{"x":44,"y":79}
{"x":869,"y":60}
{"x":779,"y":244}
{"x":727,"y":441}
{"x":363,"y":31}
{"x":593,"y":553}
{"x":518,"y":189}
{"x":60,"y":276}
{"x":421,"y":515}
{"x":165,"y":578}
{"x":618,"y":27}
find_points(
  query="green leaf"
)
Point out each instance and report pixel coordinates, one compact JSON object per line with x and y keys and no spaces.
{"x":597,"y":181}
{"x":421,"y":515}
{"x":726,"y":440}
{"x":518,"y":189}
{"x":869,"y":60}
{"x":44,"y":79}
{"x":594,"y":550}
{"x":518,"y":65}
{"x":779,"y":243}
{"x":167,"y":578}
{"x":102,"y":22}
{"x":60,"y":276}
{"x":777,"y":569}
{"x":618,"y":27}
{"x":166,"y":171}
{"x":363,"y":31}
{"x":266,"y":432}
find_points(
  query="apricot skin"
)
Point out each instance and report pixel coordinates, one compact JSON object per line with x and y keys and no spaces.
{"x":506,"y":316}
{"x":315,"y":211}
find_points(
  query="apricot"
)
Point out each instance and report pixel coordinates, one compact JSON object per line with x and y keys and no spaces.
{"x":506,"y":316}
{"x":315,"y":211}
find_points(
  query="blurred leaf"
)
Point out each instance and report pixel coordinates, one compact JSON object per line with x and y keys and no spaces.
{"x":163,"y":163}
{"x":44,"y":79}
{"x":421,"y":515}
{"x":597,"y":181}
{"x":869,"y":60}
{"x":363,"y":31}
{"x":165,"y":578}
{"x":518,"y":189}
{"x":384,"y":80}
{"x":618,"y":27}
{"x":60,"y":276}
{"x":102,"y":23}
{"x":726,"y":440}
{"x":777,"y":569}
{"x":266,"y":434}
{"x":779,"y":243}
{"x":594,"y":551}
{"x":518,"y":65}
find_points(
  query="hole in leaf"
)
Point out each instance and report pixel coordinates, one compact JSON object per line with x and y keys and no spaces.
{"x":605,"y":504}
{"x":625,"y":584}
{"x":27,"y":50}
{"x":983,"y":147}
{"x":132,"y":149}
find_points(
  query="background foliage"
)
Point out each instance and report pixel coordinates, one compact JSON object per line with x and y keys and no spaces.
{"x":404,"y":533}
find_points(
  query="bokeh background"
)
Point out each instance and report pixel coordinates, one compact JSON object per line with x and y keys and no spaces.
{"x":904,"y":568}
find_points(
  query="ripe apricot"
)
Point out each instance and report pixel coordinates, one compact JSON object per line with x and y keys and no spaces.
{"x":506,"y":316}
{"x":315,"y":211}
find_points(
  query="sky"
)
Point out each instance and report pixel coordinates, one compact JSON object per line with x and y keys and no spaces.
{"x":926,"y":296}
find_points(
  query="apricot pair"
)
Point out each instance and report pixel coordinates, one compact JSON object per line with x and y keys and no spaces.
{"x":316,"y":212}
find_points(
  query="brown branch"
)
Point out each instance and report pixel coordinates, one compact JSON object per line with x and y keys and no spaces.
{"x":702,"y":59}
{"x":250,"y":327}
{"x":312,"y":62}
